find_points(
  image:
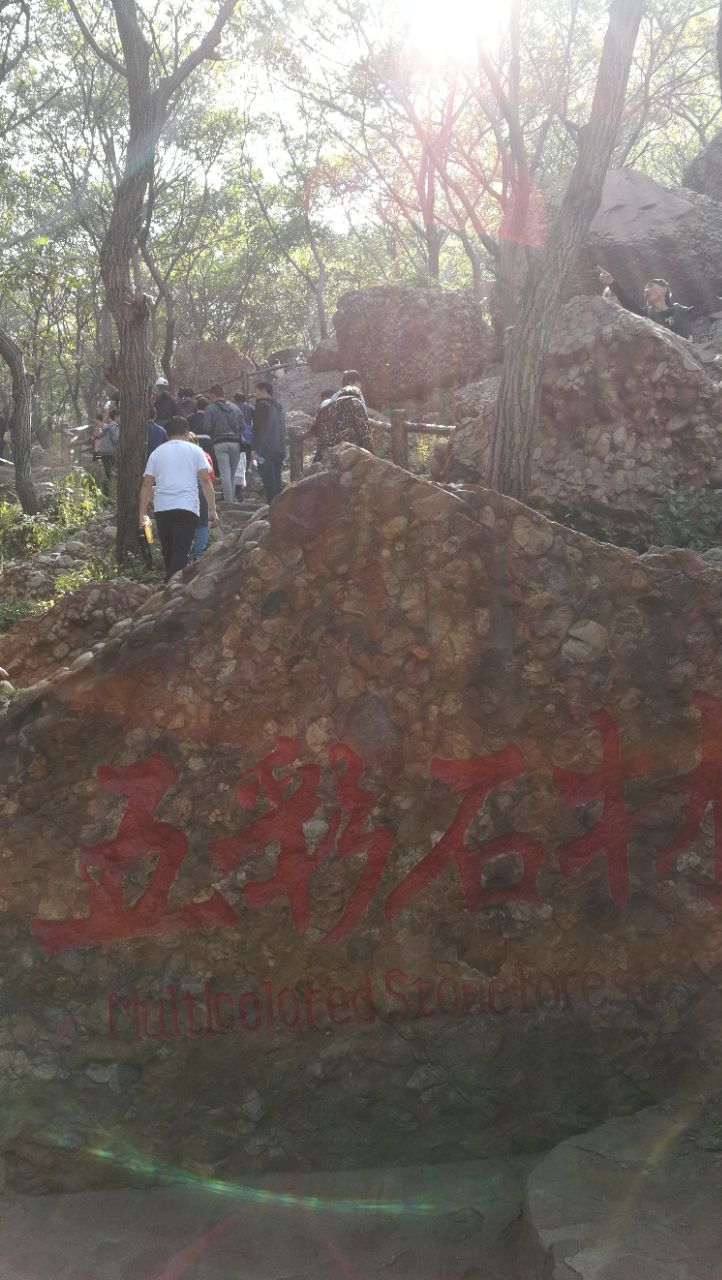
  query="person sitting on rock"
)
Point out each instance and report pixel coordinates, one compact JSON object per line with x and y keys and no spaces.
{"x":659,"y":305}
{"x":344,"y":419}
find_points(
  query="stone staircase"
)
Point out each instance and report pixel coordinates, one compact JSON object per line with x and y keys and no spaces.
{"x":234,"y":516}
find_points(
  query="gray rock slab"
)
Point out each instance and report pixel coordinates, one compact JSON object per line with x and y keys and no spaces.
{"x":636,"y":1199}
{"x":442,"y":1222}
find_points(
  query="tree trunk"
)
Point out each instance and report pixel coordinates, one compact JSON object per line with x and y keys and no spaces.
{"x":21,"y":397}
{"x":433,"y":239}
{"x":475,"y":261}
{"x":719,"y":45}
{"x":521,"y":381}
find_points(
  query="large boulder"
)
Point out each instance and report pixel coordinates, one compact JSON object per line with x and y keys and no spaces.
{"x":201,"y":363}
{"x":325,"y":357}
{"x":642,"y":230}
{"x":377,"y":838}
{"x":704,"y":172}
{"x":407,"y":343}
{"x":627,"y":417}
{"x":299,"y":388}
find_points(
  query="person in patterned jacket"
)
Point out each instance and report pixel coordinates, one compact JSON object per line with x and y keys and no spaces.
{"x":343,"y":419}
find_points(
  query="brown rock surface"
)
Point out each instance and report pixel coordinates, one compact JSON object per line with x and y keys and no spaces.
{"x":643,"y":230}
{"x":408,"y":343}
{"x":324,"y":357}
{"x":704,"y":172}
{"x":201,"y":363}
{"x":37,"y":647}
{"x":300,"y":388}
{"x":379,"y":838}
{"x":626,"y":412}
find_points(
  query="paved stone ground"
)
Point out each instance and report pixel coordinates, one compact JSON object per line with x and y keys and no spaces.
{"x":639,"y":1198}
{"x":290,"y":1227}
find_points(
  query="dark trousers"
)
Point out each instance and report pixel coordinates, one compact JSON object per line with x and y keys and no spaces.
{"x":271,"y":476}
{"x":108,"y":461}
{"x":176,"y":530}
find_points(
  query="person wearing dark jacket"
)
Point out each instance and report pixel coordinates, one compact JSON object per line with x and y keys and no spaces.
{"x":165,"y":405}
{"x":224,"y":424}
{"x":156,"y":434}
{"x":659,"y":304}
{"x":269,"y":438}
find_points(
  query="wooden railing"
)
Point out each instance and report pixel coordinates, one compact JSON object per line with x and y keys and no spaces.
{"x":398,"y":430}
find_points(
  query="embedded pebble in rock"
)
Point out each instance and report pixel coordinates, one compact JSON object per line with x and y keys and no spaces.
{"x":626,"y":412}
{"x":33,"y":648}
{"x":414,"y":794}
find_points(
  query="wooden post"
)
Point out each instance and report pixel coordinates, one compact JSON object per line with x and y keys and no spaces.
{"x":399,"y":439}
{"x":295,"y":454}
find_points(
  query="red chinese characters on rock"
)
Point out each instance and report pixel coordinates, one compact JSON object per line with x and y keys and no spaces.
{"x":703,"y":788}
{"x":609,"y":836}
{"x":104,"y":867}
{"x":475,"y":778}
{"x":293,"y":799}
{"x":286,"y":791}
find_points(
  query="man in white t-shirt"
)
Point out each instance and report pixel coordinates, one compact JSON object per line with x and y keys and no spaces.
{"x":176,"y":468}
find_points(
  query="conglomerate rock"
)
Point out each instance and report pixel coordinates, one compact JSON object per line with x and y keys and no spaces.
{"x":37,"y":647}
{"x":378,"y":837}
{"x":626,"y":413}
{"x":643,"y":230}
{"x":408,"y":343}
{"x":200,"y":363}
{"x":299,"y":389}
{"x":704,"y":172}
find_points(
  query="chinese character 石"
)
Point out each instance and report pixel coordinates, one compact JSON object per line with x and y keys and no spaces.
{"x":475,"y":778}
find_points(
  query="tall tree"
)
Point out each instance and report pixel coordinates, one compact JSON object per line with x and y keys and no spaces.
{"x":152,"y":85}
{"x":521,"y":380}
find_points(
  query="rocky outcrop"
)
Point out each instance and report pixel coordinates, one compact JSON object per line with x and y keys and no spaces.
{"x":325,"y":357}
{"x":201,"y":363}
{"x":408,"y":343}
{"x":38,"y":647}
{"x":704,"y":172}
{"x":627,"y":414}
{"x":299,"y":389}
{"x":378,"y":836}
{"x":642,"y":230}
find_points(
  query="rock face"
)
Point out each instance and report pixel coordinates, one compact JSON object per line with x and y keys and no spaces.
{"x":200,"y":364}
{"x":704,"y":173}
{"x":37,"y":647}
{"x":379,"y":836}
{"x":300,"y":388}
{"x":407,"y":343}
{"x":626,"y":413}
{"x":642,"y":230}
{"x":324,"y":357}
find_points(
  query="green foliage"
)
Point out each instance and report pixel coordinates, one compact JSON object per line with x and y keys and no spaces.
{"x":74,"y":501}
{"x":17,"y":608}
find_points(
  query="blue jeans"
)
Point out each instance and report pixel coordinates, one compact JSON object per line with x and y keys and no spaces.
{"x":201,"y":541}
{"x":228,"y":453}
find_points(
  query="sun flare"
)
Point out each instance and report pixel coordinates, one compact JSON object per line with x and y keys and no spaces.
{"x":450,"y":31}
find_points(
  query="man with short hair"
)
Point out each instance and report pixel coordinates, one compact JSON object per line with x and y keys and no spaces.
{"x":224,"y":425}
{"x":659,"y":304}
{"x":269,"y":439}
{"x":176,"y":468}
{"x":155,"y":433}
